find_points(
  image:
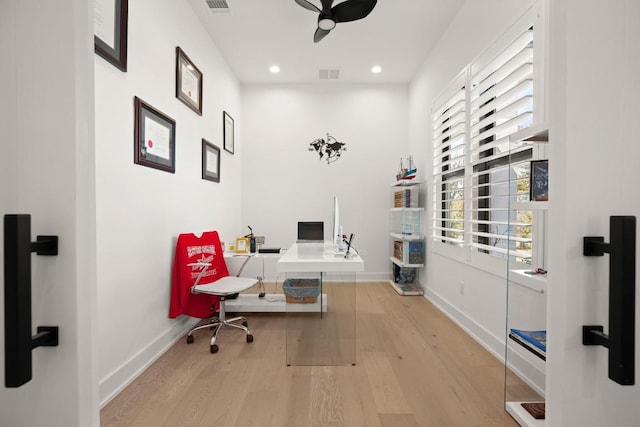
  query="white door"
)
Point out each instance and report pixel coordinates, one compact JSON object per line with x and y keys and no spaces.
{"x":46,"y":170}
{"x":594,"y":140}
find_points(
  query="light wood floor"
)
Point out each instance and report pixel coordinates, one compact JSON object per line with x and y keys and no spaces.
{"x":414,"y":368}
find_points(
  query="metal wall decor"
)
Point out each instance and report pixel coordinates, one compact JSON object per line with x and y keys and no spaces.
{"x":330,"y":149}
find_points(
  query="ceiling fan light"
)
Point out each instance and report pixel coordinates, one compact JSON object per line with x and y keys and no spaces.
{"x":326,"y":24}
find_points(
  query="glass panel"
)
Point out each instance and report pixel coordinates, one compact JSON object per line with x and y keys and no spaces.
{"x":525,"y":334}
{"x":321,"y":331}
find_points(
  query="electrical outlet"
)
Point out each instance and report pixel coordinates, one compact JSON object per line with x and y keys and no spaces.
{"x":259,"y":240}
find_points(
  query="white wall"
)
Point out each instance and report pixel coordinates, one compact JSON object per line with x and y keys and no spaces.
{"x":284,"y":182}
{"x":140,"y":210}
{"x":456,"y":281}
{"x":594,"y":120}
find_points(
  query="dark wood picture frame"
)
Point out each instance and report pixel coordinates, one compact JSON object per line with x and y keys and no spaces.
{"x":154,"y":138}
{"x":210,"y":161}
{"x":539,"y":181}
{"x":188,"y":81}
{"x":115,"y":54}
{"x":228,"y":132}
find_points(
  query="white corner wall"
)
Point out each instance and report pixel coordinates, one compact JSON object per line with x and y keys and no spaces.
{"x":457,"y":283}
{"x":140,"y":210}
{"x":284,"y":182}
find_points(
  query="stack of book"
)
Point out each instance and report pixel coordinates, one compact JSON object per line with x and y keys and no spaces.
{"x":534,"y":341}
{"x":405,"y":198}
{"x":409,"y":252}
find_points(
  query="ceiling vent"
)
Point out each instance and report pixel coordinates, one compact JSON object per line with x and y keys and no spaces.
{"x":218,"y":6}
{"x":329,"y":74}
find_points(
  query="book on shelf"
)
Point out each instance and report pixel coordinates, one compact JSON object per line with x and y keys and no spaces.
{"x":533,"y":340}
{"x":405,"y":198}
{"x":408,"y":288}
{"x":409,"y":252}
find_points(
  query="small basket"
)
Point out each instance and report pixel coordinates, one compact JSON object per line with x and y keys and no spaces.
{"x":301,"y":291}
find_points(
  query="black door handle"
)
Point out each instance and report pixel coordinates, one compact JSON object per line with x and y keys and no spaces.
{"x":622,"y":298}
{"x":18,"y":341}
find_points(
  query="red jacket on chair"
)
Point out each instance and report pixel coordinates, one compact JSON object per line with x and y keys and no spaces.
{"x":191,"y":249}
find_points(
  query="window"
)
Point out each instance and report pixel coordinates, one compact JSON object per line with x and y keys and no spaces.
{"x":449,"y":150}
{"x":479,"y":175}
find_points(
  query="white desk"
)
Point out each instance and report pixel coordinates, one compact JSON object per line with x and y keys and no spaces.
{"x":314,"y":338}
{"x":253,"y":265}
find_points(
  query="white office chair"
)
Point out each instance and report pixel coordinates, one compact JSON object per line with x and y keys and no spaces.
{"x":225,"y":288}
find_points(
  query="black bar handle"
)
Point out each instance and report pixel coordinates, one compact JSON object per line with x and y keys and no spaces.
{"x":622,"y":298}
{"x":18,"y":341}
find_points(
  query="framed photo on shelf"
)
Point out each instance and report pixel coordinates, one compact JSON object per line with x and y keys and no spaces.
{"x":539,"y":181}
{"x":242,"y":245}
{"x":188,"y":82}
{"x":110,"y":31}
{"x":154,"y":141}
{"x":210,"y":161}
{"x":228,"y":132}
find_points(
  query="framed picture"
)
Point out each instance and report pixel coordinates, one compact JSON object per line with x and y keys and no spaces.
{"x":188,"y":82}
{"x":227,"y":132}
{"x":210,"y":161}
{"x":539,"y":181}
{"x":242,"y":245}
{"x":110,"y":31}
{"x":154,"y":139}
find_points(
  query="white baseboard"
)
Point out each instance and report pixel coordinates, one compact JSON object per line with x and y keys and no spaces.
{"x":528,"y":371}
{"x":121,"y":377}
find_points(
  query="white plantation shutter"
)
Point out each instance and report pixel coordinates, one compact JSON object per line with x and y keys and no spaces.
{"x":501,"y":103}
{"x":479,"y":177}
{"x":449,"y":151}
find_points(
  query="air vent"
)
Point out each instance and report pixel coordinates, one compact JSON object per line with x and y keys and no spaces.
{"x":329,"y":74}
{"x":218,"y":6}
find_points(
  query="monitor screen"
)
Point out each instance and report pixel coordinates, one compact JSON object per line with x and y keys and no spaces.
{"x":310,"y":231}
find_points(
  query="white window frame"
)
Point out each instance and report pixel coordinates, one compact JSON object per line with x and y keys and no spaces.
{"x":464,"y":251}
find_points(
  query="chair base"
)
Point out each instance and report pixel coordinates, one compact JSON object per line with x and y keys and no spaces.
{"x":218,"y":322}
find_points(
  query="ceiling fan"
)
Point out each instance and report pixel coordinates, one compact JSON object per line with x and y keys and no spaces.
{"x":328,"y":17}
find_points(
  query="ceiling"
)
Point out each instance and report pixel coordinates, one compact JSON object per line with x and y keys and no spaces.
{"x":255,"y":34}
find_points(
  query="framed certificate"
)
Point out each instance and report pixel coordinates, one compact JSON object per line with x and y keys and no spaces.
{"x":188,"y":82}
{"x":227,"y":123}
{"x":154,"y":139}
{"x":210,"y":161}
{"x":110,"y":31}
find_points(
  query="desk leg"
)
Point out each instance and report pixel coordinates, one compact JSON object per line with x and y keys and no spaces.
{"x":328,"y":339}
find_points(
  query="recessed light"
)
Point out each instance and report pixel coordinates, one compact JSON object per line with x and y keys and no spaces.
{"x":274,"y":69}
{"x":376,"y":69}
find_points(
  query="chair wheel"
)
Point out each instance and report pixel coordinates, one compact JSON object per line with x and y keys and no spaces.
{"x":214,"y":348}
{"x":245,"y":324}
{"x":249,"y":338}
{"x":189,"y":339}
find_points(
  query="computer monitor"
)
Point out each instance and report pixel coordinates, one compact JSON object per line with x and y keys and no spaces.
{"x":310,"y":232}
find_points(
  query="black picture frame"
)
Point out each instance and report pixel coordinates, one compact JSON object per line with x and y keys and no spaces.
{"x":210,"y":161}
{"x":228,"y":132}
{"x":539,"y":181}
{"x":111,"y":46}
{"x":188,"y":81}
{"x":154,"y":138}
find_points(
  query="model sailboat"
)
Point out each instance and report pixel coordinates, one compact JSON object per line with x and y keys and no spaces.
{"x":408,"y":172}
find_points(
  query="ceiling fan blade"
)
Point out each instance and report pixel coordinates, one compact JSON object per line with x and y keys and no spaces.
{"x":319,"y":35}
{"x":326,"y":4}
{"x":352,"y":10}
{"x":307,"y":5}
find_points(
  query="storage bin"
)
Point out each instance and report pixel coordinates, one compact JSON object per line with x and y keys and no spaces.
{"x":301,"y":291}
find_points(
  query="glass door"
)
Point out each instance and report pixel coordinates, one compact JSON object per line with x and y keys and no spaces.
{"x":526,"y":289}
